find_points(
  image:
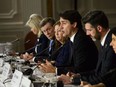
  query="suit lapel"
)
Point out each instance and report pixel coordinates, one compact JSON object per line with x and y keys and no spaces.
{"x":102,"y":52}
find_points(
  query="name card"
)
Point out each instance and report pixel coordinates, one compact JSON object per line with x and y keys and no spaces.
{"x":6,"y":72}
{"x":25,"y":82}
{"x":16,"y":79}
{"x":1,"y":62}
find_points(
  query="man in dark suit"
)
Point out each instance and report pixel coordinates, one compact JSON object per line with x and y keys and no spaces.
{"x":109,"y":79}
{"x":48,"y":30}
{"x":97,"y":24}
{"x":39,"y":45}
{"x":97,"y":21}
{"x":84,"y":52}
{"x":47,"y":43}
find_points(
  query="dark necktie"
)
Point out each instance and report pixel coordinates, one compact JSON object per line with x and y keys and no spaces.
{"x":100,"y":58}
{"x":71,"y":46}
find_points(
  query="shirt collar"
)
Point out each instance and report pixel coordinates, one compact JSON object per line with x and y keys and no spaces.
{"x":104,"y":38}
{"x":72,"y":37}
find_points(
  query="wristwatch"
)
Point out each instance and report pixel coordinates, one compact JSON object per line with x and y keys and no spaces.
{"x":76,"y":79}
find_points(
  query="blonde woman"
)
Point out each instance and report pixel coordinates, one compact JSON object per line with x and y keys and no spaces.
{"x":34,"y":24}
{"x":34,"y":33}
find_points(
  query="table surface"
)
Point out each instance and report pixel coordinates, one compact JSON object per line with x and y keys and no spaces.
{"x":8,"y":84}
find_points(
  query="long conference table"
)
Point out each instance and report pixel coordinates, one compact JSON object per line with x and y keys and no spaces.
{"x":37,"y":83}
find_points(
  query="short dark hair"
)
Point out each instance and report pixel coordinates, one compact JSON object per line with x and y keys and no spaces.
{"x":72,"y":16}
{"x":47,"y":20}
{"x":113,"y":31}
{"x":95,"y":18}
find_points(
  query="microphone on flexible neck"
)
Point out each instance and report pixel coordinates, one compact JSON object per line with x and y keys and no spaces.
{"x":34,"y":46}
{"x":27,"y":41}
{"x":44,"y":50}
{"x":15,"y":40}
{"x":30,"y":48}
{"x":52,"y":57}
{"x":41,"y":56}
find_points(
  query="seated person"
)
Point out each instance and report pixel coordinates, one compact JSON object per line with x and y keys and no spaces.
{"x":108,"y":80}
{"x":47,"y":28}
{"x":33,"y":23}
{"x":47,"y":67}
{"x":107,"y":57}
{"x":85,"y":84}
{"x":30,"y":40}
{"x":61,"y":55}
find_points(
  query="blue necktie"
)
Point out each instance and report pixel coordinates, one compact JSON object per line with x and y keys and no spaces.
{"x":50,"y":45}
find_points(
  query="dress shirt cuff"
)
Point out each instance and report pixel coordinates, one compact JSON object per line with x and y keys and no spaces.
{"x":33,"y":59}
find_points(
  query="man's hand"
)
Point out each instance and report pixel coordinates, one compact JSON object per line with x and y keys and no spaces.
{"x":65,"y":79}
{"x":83,"y":83}
{"x":47,"y":67}
{"x":86,"y":84}
{"x":27,"y":56}
{"x":70,"y":74}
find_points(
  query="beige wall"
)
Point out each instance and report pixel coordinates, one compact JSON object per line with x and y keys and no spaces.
{"x":15,"y":13}
{"x":13,"y":16}
{"x":108,"y":6}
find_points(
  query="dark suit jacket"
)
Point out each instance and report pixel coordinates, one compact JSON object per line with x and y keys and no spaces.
{"x":109,"y":79}
{"x":85,"y":53}
{"x":43,"y":51}
{"x":62,"y":60}
{"x":107,"y":61}
{"x":43,"y":40}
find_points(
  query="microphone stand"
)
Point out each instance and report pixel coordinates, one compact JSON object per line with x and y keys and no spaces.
{"x":53,"y":54}
{"x":34,"y":46}
{"x":29,"y":71}
{"x":15,"y":40}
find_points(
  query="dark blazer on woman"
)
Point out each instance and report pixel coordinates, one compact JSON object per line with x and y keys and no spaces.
{"x":63,"y":57}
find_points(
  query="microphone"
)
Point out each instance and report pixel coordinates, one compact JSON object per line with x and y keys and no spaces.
{"x":27,"y":41}
{"x":29,"y":71}
{"x":28,"y":50}
{"x":15,"y":40}
{"x":41,"y":58}
{"x":50,"y":57}
{"x":55,"y":52}
{"x":34,"y":46}
{"x":53,"y":55}
{"x":43,"y":51}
